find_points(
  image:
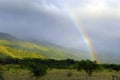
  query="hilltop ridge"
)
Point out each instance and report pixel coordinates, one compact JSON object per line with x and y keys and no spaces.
{"x":10,"y":46}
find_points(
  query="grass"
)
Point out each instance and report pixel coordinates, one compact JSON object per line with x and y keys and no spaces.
{"x":24,"y":49}
{"x":62,"y":75}
{"x":13,"y":72}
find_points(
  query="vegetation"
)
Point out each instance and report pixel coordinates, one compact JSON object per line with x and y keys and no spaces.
{"x":1,"y":74}
{"x":88,"y":66}
{"x":39,"y":67}
{"x":38,"y":70}
{"x":23,"y":49}
{"x":20,"y":57}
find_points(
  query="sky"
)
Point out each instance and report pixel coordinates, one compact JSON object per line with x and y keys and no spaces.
{"x":64,"y":22}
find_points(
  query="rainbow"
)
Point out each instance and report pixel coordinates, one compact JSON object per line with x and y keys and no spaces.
{"x":85,"y":37}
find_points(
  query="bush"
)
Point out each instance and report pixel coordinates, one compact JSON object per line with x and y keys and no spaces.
{"x":37,"y":69}
{"x":88,"y":66}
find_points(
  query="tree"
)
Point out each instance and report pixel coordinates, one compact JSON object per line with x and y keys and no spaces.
{"x":88,"y":66}
{"x":37,"y":69}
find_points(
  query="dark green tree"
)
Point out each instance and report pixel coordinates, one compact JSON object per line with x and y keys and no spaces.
{"x":37,"y":69}
{"x":88,"y":66}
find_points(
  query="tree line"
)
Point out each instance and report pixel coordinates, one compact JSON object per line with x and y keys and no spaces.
{"x":39,"y":67}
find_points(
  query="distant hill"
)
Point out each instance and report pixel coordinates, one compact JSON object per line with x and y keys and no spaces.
{"x":10,"y":46}
{"x":8,"y":37}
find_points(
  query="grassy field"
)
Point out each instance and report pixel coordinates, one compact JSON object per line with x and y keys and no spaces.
{"x":75,"y":75}
{"x":57,"y":74}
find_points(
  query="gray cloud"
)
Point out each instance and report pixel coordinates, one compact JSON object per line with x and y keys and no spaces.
{"x":46,"y":20}
{"x":104,"y":34}
{"x":28,"y":19}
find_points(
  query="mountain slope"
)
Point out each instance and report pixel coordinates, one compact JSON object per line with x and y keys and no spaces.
{"x":11,"y":47}
{"x":6,"y":50}
{"x":15,"y":48}
{"x":6,"y":36}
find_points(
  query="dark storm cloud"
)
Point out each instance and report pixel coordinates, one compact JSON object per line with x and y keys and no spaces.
{"x":46,"y":19}
{"x":37,"y":20}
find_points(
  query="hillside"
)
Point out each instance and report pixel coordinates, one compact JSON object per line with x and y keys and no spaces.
{"x":10,"y":46}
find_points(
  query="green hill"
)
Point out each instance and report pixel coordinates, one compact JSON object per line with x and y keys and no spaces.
{"x":15,"y":48}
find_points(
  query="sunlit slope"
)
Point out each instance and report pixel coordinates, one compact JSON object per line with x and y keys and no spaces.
{"x":12,"y":47}
{"x":7,"y":51}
